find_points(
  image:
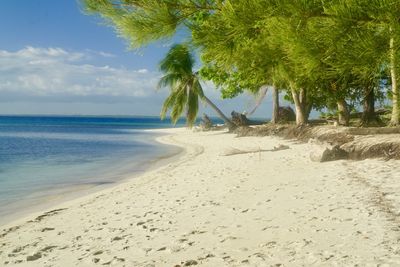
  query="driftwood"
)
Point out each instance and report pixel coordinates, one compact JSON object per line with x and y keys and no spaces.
{"x":206,"y":122}
{"x":239,"y":119}
{"x":379,"y":112}
{"x":235,"y":151}
{"x":342,"y":142}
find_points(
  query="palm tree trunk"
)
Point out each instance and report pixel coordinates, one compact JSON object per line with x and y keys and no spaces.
{"x":395,"y":119}
{"x":275,"y":103}
{"x":227,"y":121}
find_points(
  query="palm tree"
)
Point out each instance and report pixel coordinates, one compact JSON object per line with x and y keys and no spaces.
{"x":185,"y":86}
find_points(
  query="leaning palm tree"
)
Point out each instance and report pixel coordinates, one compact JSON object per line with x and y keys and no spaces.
{"x":185,"y":86}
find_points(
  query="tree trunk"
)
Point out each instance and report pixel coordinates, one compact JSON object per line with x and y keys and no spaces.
{"x":307,"y":105}
{"x":275,"y":105}
{"x":300,"y":105}
{"x":368,"y":115}
{"x":395,"y":120}
{"x":227,"y":121}
{"x":308,"y":109}
{"x":344,"y":114}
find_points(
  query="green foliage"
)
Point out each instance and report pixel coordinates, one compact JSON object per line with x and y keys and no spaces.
{"x":144,"y":21}
{"x":333,"y":50}
{"x":183,"y":83}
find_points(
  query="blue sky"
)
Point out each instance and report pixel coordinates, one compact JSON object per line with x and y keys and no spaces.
{"x":54,"y":59}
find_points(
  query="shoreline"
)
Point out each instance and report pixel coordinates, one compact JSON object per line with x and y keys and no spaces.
{"x":60,"y":196}
{"x":212,"y":207}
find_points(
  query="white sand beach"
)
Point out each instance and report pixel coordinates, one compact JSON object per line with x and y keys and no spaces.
{"x":208,"y":208}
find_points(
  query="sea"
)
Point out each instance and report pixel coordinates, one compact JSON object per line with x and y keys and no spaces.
{"x":47,"y":159}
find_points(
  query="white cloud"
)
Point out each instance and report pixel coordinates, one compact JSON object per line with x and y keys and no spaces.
{"x":51,"y":53}
{"x":56,"y":81}
{"x":100,"y":53}
{"x":55,"y":72}
{"x":143,"y":71}
{"x":105,"y":54}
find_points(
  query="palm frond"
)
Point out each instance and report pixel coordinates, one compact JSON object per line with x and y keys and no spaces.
{"x":179,"y":105}
{"x":170,"y":80}
{"x":169,"y":102}
{"x":178,"y":60}
{"x":192,"y":108}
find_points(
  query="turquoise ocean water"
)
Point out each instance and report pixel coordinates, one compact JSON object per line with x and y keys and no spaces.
{"x":44,"y":157}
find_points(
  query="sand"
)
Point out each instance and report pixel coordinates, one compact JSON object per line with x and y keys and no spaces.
{"x":209,"y":208}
